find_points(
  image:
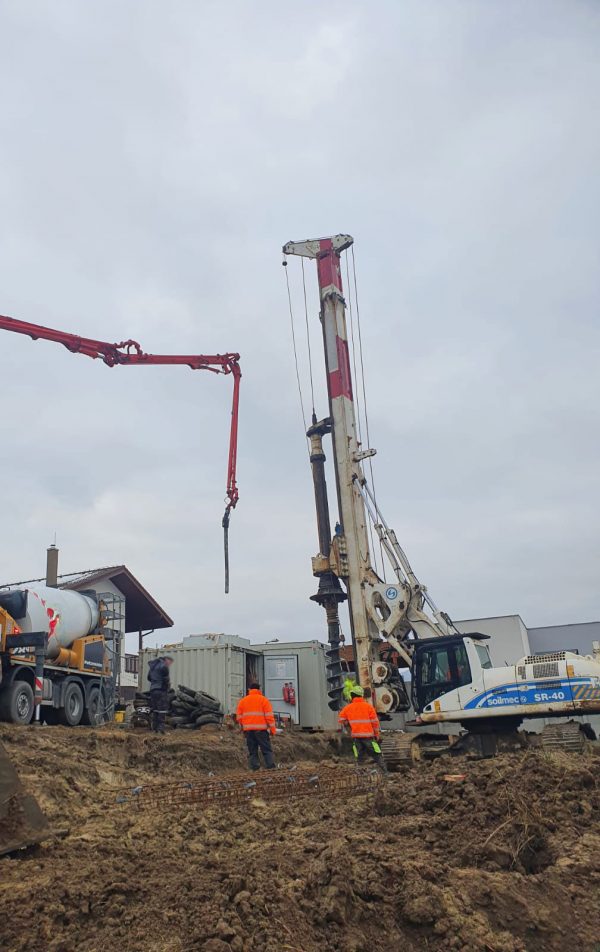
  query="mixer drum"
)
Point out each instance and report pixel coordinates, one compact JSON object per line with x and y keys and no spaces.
{"x":66,"y":616}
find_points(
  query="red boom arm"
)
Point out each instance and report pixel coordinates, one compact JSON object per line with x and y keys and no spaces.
{"x":129,"y":352}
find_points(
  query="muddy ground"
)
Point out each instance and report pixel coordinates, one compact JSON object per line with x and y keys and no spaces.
{"x":505,"y":860}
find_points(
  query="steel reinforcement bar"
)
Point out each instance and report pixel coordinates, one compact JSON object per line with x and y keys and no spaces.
{"x":237,"y":788}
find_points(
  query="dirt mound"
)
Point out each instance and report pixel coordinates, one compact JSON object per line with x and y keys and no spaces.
{"x":505,"y":860}
{"x":67,"y":768}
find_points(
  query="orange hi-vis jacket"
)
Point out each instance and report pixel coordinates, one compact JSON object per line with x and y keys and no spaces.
{"x":255,"y":712}
{"x":362,"y":718}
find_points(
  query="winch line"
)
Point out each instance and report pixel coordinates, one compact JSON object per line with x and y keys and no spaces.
{"x":357,"y":400}
{"x":360,"y":384}
{"x":287,"y":281}
{"x":364,"y":389}
{"x":310,"y":369}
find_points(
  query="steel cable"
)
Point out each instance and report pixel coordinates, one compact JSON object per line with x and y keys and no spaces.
{"x":287,"y":281}
{"x":312,"y":386}
{"x":362,"y":370}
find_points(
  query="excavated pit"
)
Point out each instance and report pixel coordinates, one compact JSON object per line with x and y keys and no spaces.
{"x":505,"y":860}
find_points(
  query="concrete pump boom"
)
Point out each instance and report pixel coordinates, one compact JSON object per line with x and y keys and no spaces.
{"x":130,"y":353}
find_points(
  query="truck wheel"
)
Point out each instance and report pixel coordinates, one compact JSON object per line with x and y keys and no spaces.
{"x":92,"y":708}
{"x":17,"y":703}
{"x":72,"y":711}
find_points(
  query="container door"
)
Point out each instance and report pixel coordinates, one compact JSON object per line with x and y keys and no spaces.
{"x":281,"y":684}
{"x":237,"y":676}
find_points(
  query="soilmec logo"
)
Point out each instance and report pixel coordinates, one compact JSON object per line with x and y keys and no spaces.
{"x":391,"y":593}
{"x":497,"y":700}
{"x":540,"y":692}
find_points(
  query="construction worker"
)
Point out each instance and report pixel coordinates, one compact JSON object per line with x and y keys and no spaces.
{"x":360,"y":718}
{"x":160,"y":682}
{"x":349,"y":683}
{"x":255,"y":716}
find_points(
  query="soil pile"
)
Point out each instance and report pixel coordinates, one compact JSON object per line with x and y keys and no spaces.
{"x":504,"y":859}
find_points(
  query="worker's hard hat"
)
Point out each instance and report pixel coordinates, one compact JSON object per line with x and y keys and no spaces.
{"x":357,"y":691}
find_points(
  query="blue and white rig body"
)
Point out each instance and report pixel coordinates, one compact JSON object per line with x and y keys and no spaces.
{"x":454,"y":680}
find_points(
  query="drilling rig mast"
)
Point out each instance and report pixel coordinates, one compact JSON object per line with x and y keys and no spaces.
{"x":378,"y":610}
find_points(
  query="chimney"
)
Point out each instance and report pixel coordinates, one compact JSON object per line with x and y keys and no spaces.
{"x":52,"y":567}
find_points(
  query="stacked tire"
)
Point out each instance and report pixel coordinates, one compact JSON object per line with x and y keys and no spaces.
{"x":188,"y":709}
{"x":193,"y":709}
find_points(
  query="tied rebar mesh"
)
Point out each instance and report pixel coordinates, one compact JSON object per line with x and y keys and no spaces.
{"x":238,"y":788}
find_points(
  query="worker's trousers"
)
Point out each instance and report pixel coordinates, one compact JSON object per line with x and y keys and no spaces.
{"x":259,"y":740}
{"x":159,"y":703}
{"x":370,"y":746}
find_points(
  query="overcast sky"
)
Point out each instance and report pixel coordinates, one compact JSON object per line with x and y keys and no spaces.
{"x":154,"y":158}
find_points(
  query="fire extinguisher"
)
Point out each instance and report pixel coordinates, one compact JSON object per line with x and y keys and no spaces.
{"x":291,"y":699}
{"x":286,"y":693}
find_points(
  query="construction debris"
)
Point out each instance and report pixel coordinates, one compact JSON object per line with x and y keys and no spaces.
{"x":188,"y":709}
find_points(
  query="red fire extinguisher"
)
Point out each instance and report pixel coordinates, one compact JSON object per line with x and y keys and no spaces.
{"x":291,"y":695}
{"x":286,"y":693}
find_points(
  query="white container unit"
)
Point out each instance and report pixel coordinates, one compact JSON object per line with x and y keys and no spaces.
{"x":224,"y":665}
{"x":220,"y":668}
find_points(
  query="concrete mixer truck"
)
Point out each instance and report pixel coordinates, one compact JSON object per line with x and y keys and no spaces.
{"x":74,"y":680}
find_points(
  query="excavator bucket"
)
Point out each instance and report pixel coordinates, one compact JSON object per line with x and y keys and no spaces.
{"x":22,"y":822}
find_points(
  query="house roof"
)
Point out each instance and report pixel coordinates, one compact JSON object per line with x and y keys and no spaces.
{"x":142,"y":612}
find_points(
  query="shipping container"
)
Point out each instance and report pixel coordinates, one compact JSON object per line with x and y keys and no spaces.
{"x":224,"y":665}
{"x":221,"y":666}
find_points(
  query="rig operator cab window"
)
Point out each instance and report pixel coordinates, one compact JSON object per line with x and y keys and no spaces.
{"x":440,"y":667}
{"x":483,"y":655}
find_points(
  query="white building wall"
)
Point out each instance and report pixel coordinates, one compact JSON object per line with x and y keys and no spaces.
{"x":508,"y":637}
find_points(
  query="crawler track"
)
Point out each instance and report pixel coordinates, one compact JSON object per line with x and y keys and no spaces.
{"x":568,"y":737}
